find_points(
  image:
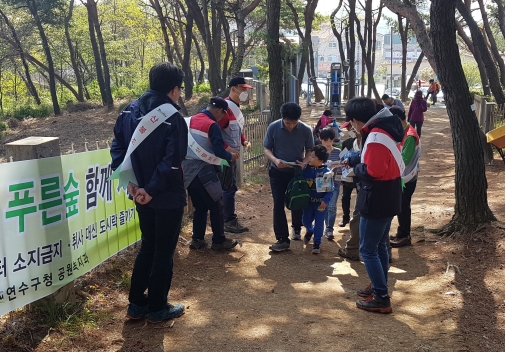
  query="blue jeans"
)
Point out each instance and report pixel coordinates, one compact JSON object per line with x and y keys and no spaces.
{"x":374,"y":251}
{"x":330,"y":219}
{"x":313,"y":214}
{"x":229,"y":197}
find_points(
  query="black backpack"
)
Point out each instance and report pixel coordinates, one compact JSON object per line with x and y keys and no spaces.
{"x":297,"y":193}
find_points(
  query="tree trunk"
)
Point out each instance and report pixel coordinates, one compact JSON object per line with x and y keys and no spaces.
{"x":274,"y":58}
{"x":351,"y":56}
{"x":410,"y":12}
{"x":471,"y":208}
{"x":371,"y":85}
{"x":493,"y":45}
{"x":201,"y":59}
{"x":372,"y":82}
{"x":403,"y":32}
{"x":240,"y":17}
{"x":96,"y":53}
{"x":415,"y":71}
{"x":29,"y":83}
{"x":500,"y":17}
{"x":188,"y":75}
{"x":479,"y":41}
{"x":73,"y":56}
{"x":32,"y":6}
{"x":318,"y":94}
{"x":163,"y":26}
{"x":477,"y":56}
{"x":92,"y":9}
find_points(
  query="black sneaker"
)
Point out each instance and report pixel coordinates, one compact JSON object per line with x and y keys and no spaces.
{"x":280,"y":246}
{"x":228,"y":244}
{"x":375,"y":303}
{"x":365,"y":292}
{"x":397,"y":242}
{"x":316,"y":249}
{"x":198,"y":244}
{"x":307,"y":237}
{"x":234,"y":226}
{"x":343,"y":222}
{"x":296,"y":235}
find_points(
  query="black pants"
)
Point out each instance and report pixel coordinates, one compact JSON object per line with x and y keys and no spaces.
{"x":202,"y":202}
{"x":346,"y":198}
{"x":153,"y":266}
{"x":433,"y":96}
{"x":418,"y":126}
{"x":404,"y":218}
{"x":279,"y":181}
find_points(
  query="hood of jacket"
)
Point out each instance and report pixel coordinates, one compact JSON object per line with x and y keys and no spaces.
{"x":387,"y":122}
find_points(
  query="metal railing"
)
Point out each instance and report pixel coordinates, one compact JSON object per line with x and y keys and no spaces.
{"x":255,"y":127}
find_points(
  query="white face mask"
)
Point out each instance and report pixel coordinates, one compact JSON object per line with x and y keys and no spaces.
{"x":243,"y":96}
{"x":352,"y":134}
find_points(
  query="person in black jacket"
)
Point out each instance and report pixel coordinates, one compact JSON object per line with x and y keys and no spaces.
{"x":160,"y":196}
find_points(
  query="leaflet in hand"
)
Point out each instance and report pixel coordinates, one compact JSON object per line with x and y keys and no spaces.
{"x":346,"y":171}
{"x":343,"y":153}
{"x":290,"y":163}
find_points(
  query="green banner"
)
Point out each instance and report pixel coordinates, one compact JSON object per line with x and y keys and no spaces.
{"x":61,"y":217}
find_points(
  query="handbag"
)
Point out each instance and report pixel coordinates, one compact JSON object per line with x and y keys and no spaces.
{"x":226,"y":176}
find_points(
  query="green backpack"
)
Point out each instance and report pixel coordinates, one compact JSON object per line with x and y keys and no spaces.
{"x":297,"y":193}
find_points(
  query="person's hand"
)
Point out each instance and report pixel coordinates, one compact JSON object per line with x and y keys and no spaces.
{"x":132,"y":189}
{"x":142,"y":197}
{"x":345,"y":163}
{"x":322,"y":206}
{"x":235,"y":156}
{"x":247,"y":145}
{"x":301,"y":164}
{"x":280,"y":164}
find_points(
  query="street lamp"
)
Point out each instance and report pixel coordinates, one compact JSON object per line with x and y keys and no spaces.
{"x":391,"y":60}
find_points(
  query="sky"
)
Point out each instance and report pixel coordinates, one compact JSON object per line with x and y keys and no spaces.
{"x":326,"y":7}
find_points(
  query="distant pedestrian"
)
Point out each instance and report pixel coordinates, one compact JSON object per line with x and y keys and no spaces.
{"x":286,"y":140}
{"x":416,"y":109}
{"x":433,"y":91}
{"x":390,"y":101}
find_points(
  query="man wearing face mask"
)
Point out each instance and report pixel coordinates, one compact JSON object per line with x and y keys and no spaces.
{"x":231,"y":129}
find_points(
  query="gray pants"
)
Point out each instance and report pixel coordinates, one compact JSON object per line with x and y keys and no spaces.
{"x":352,"y":244}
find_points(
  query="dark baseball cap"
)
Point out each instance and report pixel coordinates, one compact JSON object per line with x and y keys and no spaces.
{"x":219,"y":103}
{"x":239,"y":81}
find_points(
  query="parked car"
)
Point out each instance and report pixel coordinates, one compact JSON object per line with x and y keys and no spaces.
{"x":440,"y":95}
{"x":394,"y":93}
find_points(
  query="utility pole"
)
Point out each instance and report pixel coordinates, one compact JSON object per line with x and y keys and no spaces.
{"x":391,"y":60}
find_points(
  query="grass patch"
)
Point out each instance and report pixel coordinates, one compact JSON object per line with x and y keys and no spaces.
{"x":68,"y":318}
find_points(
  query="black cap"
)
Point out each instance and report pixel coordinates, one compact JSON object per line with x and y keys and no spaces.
{"x":219,"y":103}
{"x":238,"y":80}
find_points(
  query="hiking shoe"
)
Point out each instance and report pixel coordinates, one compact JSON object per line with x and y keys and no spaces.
{"x":228,"y":244}
{"x":136,"y":312}
{"x":198,"y":244}
{"x":343,"y":222}
{"x":280,"y":246}
{"x":316,"y":249}
{"x":329,"y":235}
{"x":365,"y":292}
{"x":400,"y":242}
{"x":167,"y":313}
{"x":375,"y":303}
{"x":307,"y":237}
{"x":296,"y":235}
{"x":234,"y":226}
{"x":343,"y":252}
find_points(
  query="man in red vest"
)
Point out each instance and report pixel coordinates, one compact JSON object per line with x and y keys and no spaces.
{"x":231,"y":129}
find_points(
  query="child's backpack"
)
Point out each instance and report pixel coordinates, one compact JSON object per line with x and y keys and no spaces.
{"x":297,"y":193}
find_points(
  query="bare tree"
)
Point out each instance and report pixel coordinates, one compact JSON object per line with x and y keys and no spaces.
{"x":274,"y":58}
{"x":72,"y":53}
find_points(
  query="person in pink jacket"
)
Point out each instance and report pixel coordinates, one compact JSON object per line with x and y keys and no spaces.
{"x":416,"y":109}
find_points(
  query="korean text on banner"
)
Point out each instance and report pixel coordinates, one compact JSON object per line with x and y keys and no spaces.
{"x":61,"y":217}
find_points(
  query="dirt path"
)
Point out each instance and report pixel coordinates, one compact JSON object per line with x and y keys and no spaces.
{"x":255,"y":300}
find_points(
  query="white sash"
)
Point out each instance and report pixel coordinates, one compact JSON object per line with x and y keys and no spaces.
{"x":148,"y":124}
{"x":199,"y":151}
{"x":237,"y":113}
{"x":414,"y":172}
{"x":381,"y":138}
